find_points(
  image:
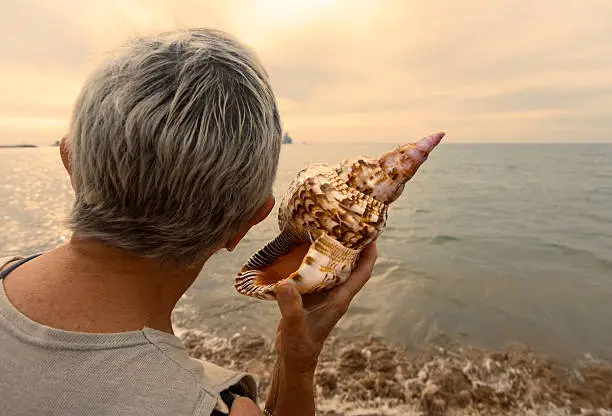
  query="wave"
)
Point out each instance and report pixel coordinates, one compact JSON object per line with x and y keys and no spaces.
{"x":569,"y":250}
{"x":443,"y":239}
{"x":369,"y":376}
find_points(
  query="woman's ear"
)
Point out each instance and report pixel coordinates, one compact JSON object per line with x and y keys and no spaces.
{"x":259,"y":216}
{"x":66,"y":158}
{"x":65,"y":155}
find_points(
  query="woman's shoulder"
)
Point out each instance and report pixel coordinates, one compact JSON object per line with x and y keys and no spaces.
{"x":221,"y":384}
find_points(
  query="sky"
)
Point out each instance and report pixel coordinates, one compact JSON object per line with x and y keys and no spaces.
{"x":344,"y":70}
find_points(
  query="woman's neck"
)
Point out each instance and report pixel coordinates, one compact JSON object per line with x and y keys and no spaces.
{"x":87,"y":286}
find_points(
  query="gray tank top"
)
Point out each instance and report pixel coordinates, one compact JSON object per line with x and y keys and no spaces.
{"x":47,"y":371}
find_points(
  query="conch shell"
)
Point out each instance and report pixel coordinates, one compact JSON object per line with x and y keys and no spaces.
{"x":332,"y":212}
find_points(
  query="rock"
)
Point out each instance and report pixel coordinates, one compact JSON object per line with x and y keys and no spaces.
{"x":352,"y":361}
{"x":328,"y":383}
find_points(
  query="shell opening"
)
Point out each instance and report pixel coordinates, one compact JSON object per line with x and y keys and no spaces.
{"x":283,"y":267}
{"x":313,"y":267}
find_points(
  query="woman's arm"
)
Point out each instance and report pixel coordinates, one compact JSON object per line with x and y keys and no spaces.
{"x":243,"y":406}
{"x":306,"y":322}
{"x":291,"y":392}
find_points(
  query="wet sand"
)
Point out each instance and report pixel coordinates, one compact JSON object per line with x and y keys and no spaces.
{"x":368,"y":376}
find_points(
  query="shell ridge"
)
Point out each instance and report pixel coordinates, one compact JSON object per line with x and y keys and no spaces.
{"x":268,"y":254}
{"x":327,"y":264}
{"x":337,"y":182}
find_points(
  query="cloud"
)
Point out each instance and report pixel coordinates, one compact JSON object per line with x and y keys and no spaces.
{"x":35,"y":38}
{"x":355,"y":70}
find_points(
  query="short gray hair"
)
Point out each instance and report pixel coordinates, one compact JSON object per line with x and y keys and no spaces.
{"x":174,"y":143}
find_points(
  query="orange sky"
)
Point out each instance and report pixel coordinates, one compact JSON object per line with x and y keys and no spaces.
{"x":344,"y":70}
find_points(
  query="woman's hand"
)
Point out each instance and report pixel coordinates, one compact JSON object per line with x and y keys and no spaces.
{"x":306,"y":322}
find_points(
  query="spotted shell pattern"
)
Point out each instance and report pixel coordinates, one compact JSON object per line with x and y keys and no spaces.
{"x":338,"y":210}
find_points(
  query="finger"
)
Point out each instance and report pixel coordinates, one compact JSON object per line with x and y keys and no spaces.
{"x":290,"y":304}
{"x":362,"y":272}
{"x":244,"y":407}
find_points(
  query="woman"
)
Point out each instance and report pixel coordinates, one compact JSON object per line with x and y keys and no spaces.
{"x":172,"y":153}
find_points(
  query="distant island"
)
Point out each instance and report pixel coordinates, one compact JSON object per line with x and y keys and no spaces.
{"x":287,"y":139}
{"x":12,"y":146}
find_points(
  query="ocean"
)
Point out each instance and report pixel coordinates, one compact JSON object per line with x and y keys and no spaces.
{"x":490,"y":244}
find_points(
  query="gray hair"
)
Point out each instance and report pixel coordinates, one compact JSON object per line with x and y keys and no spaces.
{"x":174,"y":143}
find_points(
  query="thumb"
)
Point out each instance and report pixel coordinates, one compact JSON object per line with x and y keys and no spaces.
{"x":289,"y":302}
{"x":294,"y":337}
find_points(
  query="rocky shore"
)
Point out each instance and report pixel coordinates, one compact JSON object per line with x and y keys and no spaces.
{"x":368,"y":376}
